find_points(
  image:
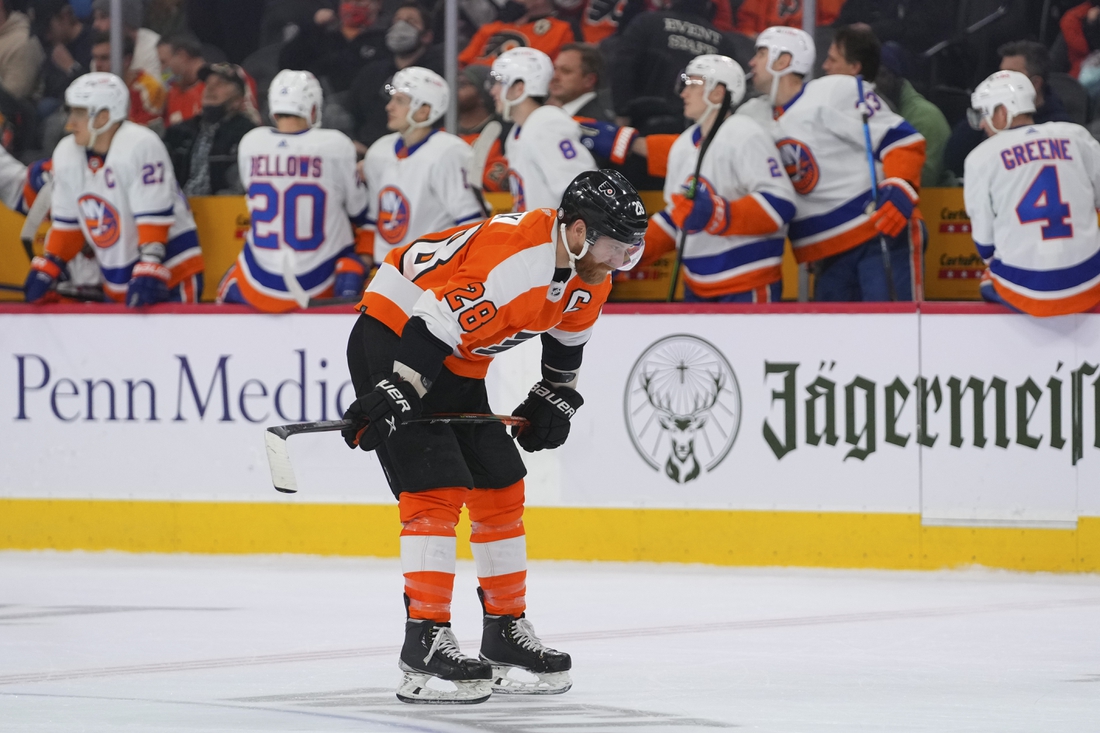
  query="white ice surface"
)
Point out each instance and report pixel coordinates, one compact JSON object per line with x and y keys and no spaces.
{"x":91,"y":643}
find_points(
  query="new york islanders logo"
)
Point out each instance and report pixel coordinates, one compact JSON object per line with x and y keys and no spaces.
{"x":800,"y":165}
{"x":515,"y":182}
{"x":393,"y":214}
{"x":101,"y":220}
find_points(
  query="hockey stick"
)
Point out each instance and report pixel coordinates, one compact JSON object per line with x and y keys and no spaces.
{"x":723,"y":110}
{"x":483,"y":146}
{"x":865,"y":114}
{"x":278,"y":456}
{"x":35,"y":216}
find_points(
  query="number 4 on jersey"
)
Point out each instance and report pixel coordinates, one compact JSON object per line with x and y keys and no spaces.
{"x":1043,"y":202}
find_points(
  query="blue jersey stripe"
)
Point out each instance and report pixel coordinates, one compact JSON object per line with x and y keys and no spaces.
{"x":985,"y":251}
{"x":739,"y":256}
{"x":842,"y":214}
{"x":782,"y":207}
{"x":902,"y":131}
{"x":308,"y":281}
{"x":1049,"y":281}
{"x":167,"y":212}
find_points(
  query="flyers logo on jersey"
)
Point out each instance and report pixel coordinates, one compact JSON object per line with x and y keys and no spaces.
{"x":101,"y":219}
{"x":800,"y":165}
{"x":393,"y":214}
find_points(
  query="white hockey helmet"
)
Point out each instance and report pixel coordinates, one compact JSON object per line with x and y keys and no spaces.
{"x":96,"y":92}
{"x":296,"y":93}
{"x":780,"y":39}
{"x":528,"y":65}
{"x":1009,"y":89}
{"x":422,"y":86}
{"x":715,"y":69}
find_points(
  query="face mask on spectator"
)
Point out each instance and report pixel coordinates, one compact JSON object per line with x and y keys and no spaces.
{"x":214,"y":113}
{"x":402,"y":37}
{"x":355,"y":15}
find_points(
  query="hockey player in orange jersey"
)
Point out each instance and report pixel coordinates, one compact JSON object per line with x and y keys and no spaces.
{"x":433,"y":318}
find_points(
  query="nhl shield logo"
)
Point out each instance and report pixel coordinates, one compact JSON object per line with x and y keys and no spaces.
{"x":682,"y":407}
{"x":101,"y":220}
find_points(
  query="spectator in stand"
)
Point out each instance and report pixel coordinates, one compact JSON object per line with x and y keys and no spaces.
{"x":144,"y":40}
{"x":576,"y":82}
{"x":655,"y":48}
{"x":185,"y":91}
{"x":69,"y":43}
{"x":283,"y":19}
{"x":204,"y":148}
{"x":166,"y":18}
{"x":476,"y":109}
{"x":21,"y":54}
{"x":146,"y":92}
{"x":754,"y":16}
{"x":1031,"y":59}
{"x":409,"y":39}
{"x":336,"y":47}
{"x":537,"y":28}
{"x":926,"y":117}
{"x":1081,"y":28}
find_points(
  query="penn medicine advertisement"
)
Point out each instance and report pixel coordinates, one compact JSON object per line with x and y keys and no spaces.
{"x":982,"y":419}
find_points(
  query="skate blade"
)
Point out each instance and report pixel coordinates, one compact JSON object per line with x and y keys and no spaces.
{"x":508,"y":680}
{"x":424,"y":689}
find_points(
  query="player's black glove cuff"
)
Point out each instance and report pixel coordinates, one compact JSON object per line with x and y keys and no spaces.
{"x":548,"y":409}
{"x":379,"y":413}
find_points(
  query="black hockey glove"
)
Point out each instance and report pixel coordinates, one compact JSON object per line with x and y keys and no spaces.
{"x":548,"y":409}
{"x":378,"y":414}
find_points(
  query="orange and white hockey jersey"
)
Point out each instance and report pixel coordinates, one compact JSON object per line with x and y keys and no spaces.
{"x":820,"y":138}
{"x":492,"y":39}
{"x":124,"y":200}
{"x":418,"y":190}
{"x":544,"y":155}
{"x":304,"y":195}
{"x":487,"y":287}
{"x":1032,"y":194}
{"x":742,"y":166}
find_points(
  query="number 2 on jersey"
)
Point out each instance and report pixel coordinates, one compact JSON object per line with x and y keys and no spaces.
{"x":287,"y":207}
{"x":1043,"y":202}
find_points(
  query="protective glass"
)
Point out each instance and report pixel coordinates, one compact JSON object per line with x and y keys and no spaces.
{"x":612,"y":252}
{"x":974,"y":118}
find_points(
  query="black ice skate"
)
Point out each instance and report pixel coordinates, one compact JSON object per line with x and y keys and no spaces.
{"x":431,"y":654}
{"x":521,"y":664}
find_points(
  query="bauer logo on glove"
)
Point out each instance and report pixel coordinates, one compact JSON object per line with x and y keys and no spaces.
{"x":548,"y":409}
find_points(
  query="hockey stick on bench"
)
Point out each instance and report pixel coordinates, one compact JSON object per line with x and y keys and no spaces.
{"x":278,"y":455}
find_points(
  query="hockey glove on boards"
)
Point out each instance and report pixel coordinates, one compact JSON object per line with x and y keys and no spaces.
{"x":606,"y":139}
{"x":704,"y":212}
{"x":896,"y":201}
{"x":379,"y":413}
{"x":548,"y":409}
{"x":44,"y":274}
{"x":350,"y":274}
{"x":149,"y":278}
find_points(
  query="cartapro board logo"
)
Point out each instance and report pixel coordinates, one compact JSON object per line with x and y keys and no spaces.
{"x":682,"y":407}
{"x":800,"y":165}
{"x":101,"y":219}
{"x":393,"y":214}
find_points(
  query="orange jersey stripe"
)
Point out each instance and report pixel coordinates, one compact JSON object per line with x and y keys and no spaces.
{"x":657,"y":150}
{"x":835,"y":245}
{"x":65,"y":243}
{"x":740,"y":284}
{"x":748,"y":217}
{"x":1044,"y":308}
{"x":905,"y":162}
{"x":152,"y":234}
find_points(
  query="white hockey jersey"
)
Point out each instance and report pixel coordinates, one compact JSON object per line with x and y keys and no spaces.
{"x":304,"y":194}
{"x":418,"y":190}
{"x":13,"y":175}
{"x":1032,"y":194}
{"x":544,"y":155}
{"x":132,"y":198}
{"x":820,"y":137}
{"x":741,"y":161}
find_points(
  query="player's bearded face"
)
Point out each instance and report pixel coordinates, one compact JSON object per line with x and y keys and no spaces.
{"x":603,"y":256}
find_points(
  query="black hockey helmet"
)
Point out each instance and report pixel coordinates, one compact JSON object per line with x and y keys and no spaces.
{"x":607,"y":204}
